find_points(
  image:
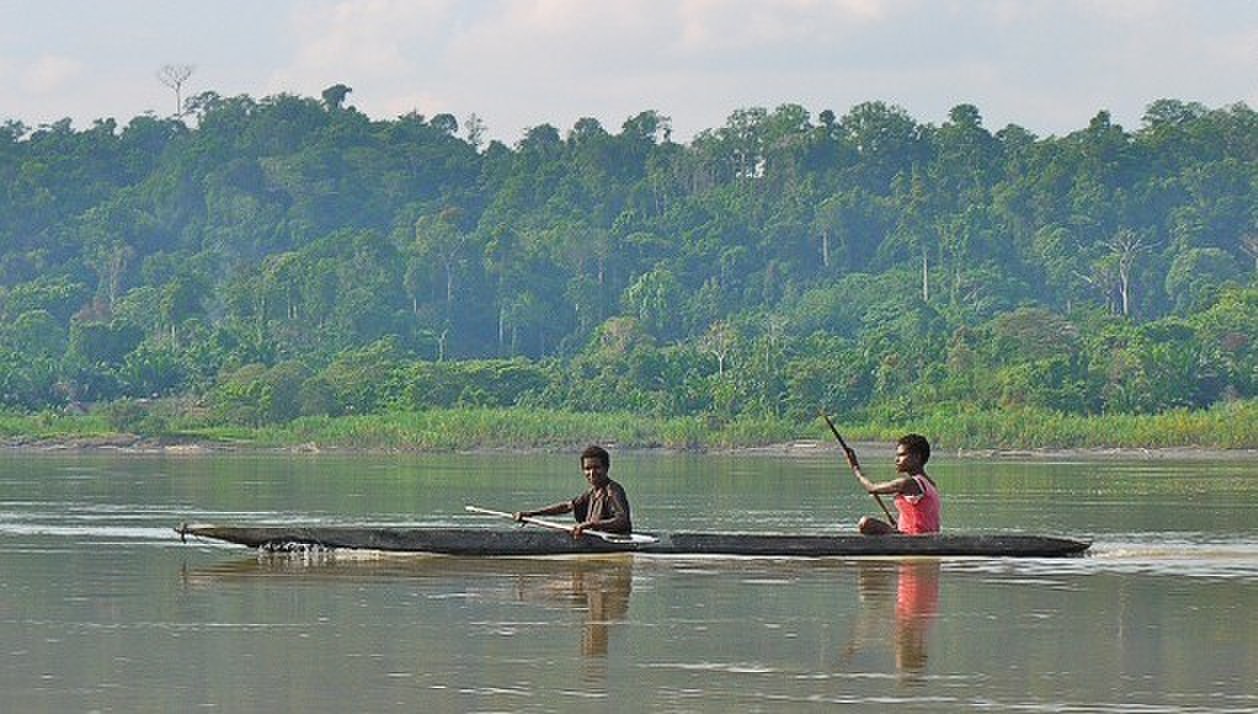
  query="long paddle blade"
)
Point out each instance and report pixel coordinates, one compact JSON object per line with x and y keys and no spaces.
{"x":851,"y":461}
{"x":638,"y":538}
{"x":847,"y":450}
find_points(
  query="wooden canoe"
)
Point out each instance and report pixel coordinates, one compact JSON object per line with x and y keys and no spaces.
{"x":528,"y":541}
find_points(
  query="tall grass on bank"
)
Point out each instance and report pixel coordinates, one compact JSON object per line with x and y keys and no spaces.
{"x":1231,"y":426}
{"x":475,"y":429}
{"x":1228,"y":426}
{"x":51,"y":426}
{"x":455,"y":430}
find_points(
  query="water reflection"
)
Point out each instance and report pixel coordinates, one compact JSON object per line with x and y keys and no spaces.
{"x":899,"y":602}
{"x":597,"y":587}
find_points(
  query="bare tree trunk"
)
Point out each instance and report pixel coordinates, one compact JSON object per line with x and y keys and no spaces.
{"x":718,"y":342}
{"x":1127,"y":245}
{"x":110,"y":262}
{"x":925,"y":278}
{"x":1124,"y":293}
{"x":502,"y":312}
{"x":174,"y":76}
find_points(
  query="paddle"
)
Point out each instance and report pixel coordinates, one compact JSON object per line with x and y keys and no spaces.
{"x":851,"y":461}
{"x":638,"y":538}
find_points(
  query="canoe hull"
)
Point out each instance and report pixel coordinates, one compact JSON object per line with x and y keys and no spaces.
{"x":527,"y":541}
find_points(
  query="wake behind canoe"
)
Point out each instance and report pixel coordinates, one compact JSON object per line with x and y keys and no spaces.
{"x":525,"y":541}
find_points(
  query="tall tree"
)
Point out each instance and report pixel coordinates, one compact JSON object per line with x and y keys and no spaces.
{"x":174,"y":76}
{"x":1126,"y":246}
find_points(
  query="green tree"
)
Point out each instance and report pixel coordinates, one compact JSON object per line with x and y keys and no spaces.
{"x":1197,"y":275}
{"x":35,"y":334}
{"x":653,"y":299}
{"x":334,"y":96}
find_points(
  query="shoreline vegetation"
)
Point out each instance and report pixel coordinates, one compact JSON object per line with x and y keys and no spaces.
{"x":1230,"y":428}
{"x":286,"y":274}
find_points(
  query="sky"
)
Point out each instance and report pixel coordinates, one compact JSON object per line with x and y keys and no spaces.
{"x":1048,"y":66}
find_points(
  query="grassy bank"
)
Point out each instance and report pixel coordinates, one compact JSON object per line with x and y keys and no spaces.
{"x":1228,"y":426}
{"x":1231,"y":426}
{"x":50,"y":426}
{"x":470,"y":429}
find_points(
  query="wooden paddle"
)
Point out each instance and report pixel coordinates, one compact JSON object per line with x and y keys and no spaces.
{"x":851,"y":461}
{"x":638,"y":538}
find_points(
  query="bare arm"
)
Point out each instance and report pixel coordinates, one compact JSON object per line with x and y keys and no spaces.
{"x":903,"y":484}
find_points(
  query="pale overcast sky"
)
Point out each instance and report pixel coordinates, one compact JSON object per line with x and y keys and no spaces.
{"x":1047,"y":65}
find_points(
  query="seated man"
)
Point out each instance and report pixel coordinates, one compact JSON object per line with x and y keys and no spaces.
{"x":604,"y":507}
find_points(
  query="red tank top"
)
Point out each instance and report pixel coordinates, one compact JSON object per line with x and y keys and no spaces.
{"x":920,"y":513}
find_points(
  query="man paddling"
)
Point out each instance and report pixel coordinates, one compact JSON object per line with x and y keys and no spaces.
{"x":916,"y":496}
{"x":604,"y":507}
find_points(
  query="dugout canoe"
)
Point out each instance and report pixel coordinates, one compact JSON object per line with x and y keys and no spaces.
{"x":528,"y":541}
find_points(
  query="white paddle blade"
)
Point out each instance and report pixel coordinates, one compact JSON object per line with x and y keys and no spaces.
{"x":635,"y":538}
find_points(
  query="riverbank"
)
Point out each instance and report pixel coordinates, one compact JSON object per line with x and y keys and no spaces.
{"x":1170,"y":453}
{"x":1223,"y":432}
{"x":133,"y":445}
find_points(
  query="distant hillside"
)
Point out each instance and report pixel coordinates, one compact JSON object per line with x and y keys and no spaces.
{"x":284,"y":256}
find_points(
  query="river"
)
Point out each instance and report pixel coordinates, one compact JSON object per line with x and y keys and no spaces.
{"x":103,"y":609}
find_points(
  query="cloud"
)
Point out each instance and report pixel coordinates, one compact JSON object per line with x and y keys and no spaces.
{"x":519,"y":63}
{"x":723,"y":26}
{"x":375,"y":41}
{"x":50,"y":74}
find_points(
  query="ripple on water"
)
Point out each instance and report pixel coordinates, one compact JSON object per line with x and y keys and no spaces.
{"x":1193,"y":557}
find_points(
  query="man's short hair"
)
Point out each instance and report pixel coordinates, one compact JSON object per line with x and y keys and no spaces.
{"x":595,"y":451}
{"x":917,"y":444}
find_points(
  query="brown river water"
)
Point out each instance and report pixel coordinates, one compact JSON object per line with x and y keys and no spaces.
{"x":103,"y":609}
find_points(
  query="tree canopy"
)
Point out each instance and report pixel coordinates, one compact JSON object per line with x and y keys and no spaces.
{"x":269,"y":252}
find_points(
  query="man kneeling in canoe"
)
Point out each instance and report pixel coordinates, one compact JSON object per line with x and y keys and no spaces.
{"x":604,"y":507}
{"x":916,"y":496}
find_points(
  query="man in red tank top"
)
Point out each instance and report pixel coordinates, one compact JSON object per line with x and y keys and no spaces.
{"x":916,"y":495}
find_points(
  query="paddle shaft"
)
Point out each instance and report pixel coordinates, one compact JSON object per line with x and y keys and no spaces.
{"x":851,"y":461}
{"x":609,"y":537}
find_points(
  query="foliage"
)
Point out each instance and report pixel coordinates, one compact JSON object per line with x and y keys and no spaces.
{"x":290,"y":258}
{"x":1227,"y":426}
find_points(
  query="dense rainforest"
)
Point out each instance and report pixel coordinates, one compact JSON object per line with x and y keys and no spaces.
{"x":255,"y":260}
